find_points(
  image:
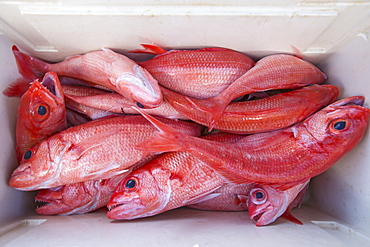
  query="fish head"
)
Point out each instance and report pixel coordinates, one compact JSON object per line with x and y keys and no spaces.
{"x":41,"y":112}
{"x":39,"y":165}
{"x":266,"y":204}
{"x":145,"y":192}
{"x":68,"y":199}
{"x":339,"y":126}
{"x":43,"y":103}
{"x":140,"y":87}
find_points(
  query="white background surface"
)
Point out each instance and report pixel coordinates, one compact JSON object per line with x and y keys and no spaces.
{"x":334,"y":35}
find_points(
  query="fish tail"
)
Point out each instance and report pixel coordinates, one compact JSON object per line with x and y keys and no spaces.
{"x":149,"y":49}
{"x":166,"y":139}
{"x":28,"y":66}
{"x":17,"y":88}
{"x":212,"y":108}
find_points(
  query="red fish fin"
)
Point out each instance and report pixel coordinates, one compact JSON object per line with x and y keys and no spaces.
{"x":164,"y":140}
{"x":28,"y":66}
{"x":107,"y":172}
{"x":201,"y":198}
{"x":149,"y":49}
{"x":212,"y":108}
{"x":79,"y":149}
{"x":227,"y":177}
{"x":288,"y":216}
{"x":242,"y":198}
{"x":297,"y":52}
{"x":17,"y":88}
{"x":285,"y":186}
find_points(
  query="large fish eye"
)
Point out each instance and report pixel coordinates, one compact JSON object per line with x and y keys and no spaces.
{"x":131,"y":184}
{"x":27,"y":155}
{"x":339,"y":125}
{"x":41,"y":112}
{"x":258,"y":196}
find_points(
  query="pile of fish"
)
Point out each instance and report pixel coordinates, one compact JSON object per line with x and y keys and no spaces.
{"x":210,"y":129}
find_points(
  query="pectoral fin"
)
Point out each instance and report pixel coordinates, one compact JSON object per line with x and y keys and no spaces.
{"x":90,"y":143}
{"x":201,"y":198}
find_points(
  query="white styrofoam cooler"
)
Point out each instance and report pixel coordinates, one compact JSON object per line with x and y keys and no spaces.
{"x":332,"y":34}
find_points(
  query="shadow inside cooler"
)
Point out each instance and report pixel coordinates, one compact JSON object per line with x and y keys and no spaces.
{"x":335,"y":208}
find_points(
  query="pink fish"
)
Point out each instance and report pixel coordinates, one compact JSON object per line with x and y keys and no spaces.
{"x":290,"y":155}
{"x":202,"y":73}
{"x":279,"y":71}
{"x":270,"y":113}
{"x":41,"y":113}
{"x":77,"y":198}
{"x":169,"y":181}
{"x":112,"y":70}
{"x":266,"y":203}
{"x":95,"y":150}
{"x":82,"y":197}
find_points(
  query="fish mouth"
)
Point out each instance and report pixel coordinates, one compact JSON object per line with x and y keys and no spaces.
{"x":256,"y":217}
{"x":354,"y":100}
{"x":47,"y":207}
{"x":114,"y":206}
{"x":51,"y":82}
{"x":41,"y":203}
{"x":114,"y":209}
{"x":20,"y":171}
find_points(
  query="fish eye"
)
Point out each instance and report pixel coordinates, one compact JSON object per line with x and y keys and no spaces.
{"x":41,"y":112}
{"x":140,"y":105}
{"x":258,"y":196}
{"x":339,"y":125}
{"x":27,"y":155}
{"x":131,"y":183}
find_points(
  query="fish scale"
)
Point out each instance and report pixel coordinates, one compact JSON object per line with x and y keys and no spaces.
{"x":228,"y":200}
{"x":200,"y":73}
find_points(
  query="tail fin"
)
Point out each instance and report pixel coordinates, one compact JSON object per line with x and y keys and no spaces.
{"x":149,"y":49}
{"x":29,"y":67}
{"x":164,"y":140}
{"x":212,"y":108}
{"x":17,"y":88}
